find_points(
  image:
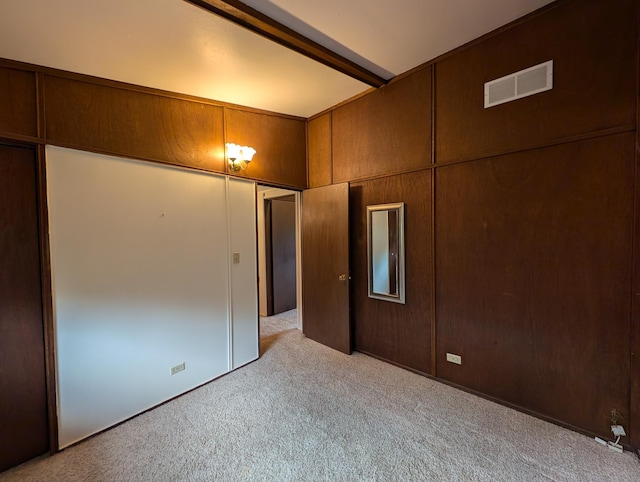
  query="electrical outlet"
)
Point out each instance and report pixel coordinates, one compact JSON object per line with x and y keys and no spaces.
{"x":178,"y":368}
{"x":236,"y":258}
{"x":457,"y":359}
{"x":618,"y":430}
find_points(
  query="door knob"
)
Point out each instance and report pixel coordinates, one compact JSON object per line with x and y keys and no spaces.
{"x":342,"y":277}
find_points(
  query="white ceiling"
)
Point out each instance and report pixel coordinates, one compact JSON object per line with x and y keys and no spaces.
{"x":175,"y":46}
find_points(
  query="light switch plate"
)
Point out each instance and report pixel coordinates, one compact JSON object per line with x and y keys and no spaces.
{"x":236,"y":258}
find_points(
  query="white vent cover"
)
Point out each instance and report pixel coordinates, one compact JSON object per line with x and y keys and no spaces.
{"x":521,"y":84}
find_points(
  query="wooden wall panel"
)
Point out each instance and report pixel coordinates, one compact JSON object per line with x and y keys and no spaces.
{"x":18,"y":113}
{"x":319,"y":151}
{"x":533,"y":258}
{"x":634,"y":382}
{"x":592,"y":44}
{"x":387,"y":131}
{"x":280,"y":144}
{"x":392,"y":331}
{"x":634,"y":421}
{"x":111,"y":120}
{"x":24,"y":425}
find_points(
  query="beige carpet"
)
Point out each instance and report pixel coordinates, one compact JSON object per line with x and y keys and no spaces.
{"x":305,"y":412}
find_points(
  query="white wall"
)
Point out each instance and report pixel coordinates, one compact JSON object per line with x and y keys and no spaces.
{"x":141,"y":277}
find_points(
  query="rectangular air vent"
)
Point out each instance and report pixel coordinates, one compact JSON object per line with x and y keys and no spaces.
{"x":521,"y":84}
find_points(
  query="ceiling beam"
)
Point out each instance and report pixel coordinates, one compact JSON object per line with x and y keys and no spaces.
{"x":259,"y":23}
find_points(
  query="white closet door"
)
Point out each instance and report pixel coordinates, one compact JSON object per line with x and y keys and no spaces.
{"x":244,"y":271}
{"x":139,"y":257}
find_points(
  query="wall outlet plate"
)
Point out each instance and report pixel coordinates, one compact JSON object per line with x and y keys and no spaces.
{"x":618,"y":430}
{"x":457,"y":359}
{"x":615,"y":447}
{"x":178,"y":368}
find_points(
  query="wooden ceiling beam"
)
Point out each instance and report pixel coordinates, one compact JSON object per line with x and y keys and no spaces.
{"x":259,"y":23}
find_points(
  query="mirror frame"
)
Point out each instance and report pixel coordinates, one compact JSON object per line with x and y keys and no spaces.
{"x":400,"y":271}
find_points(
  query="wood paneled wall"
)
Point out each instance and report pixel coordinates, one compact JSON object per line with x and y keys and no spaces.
{"x":533,"y":253}
{"x":98,"y":115}
{"x":400,"y":333}
{"x":592,"y":44}
{"x":634,"y":422}
{"x":39,"y":106}
{"x":385,"y":132}
{"x":134,"y":124}
{"x":18,"y":113}
{"x":319,"y":168}
{"x":280,"y":144}
{"x":23,"y":391}
{"x":525,"y":238}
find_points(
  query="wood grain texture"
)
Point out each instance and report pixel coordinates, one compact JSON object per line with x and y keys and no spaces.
{"x":634,"y":421}
{"x":592,"y":44}
{"x":533,"y":255}
{"x":634,"y":381}
{"x":133,"y":124}
{"x":18,"y":102}
{"x":319,"y":151}
{"x":391,"y":331}
{"x":23,"y":399}
{"x":280,"y":145}
{"x":385,"y":132}
{"x":325,"y":257}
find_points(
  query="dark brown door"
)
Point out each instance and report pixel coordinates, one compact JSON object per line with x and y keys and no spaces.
{"x":280,"y":234}
{"x":325,"y":266}
{"x":23,"y":405}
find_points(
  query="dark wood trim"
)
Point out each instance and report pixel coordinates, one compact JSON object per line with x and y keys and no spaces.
{"x":40,"y":106}
{"x":306,"y":152}
{"x":396,"y":364}
{"x":331,"y":144}
{"x":47,"y":301}
{"x":634,"y":381}
{"x":432,"y":244}
{"x":64,"y":74}
{"x":257,"y":22}
{"x":12,"y":138}
{"x":634,"y":340}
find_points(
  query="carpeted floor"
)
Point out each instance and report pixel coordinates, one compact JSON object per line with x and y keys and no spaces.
{"x":306,"y":412}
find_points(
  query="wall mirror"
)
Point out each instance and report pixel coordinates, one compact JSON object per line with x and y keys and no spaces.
{"x":385,"y":251}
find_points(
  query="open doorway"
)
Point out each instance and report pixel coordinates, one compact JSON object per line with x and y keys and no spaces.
{"x":279,"y":254}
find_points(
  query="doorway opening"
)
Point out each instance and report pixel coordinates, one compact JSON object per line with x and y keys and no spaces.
{"x":279,"y":254}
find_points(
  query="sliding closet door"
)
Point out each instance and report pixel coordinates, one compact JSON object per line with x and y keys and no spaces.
{"x":23,"y":405}
{"x":140,"y":263}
